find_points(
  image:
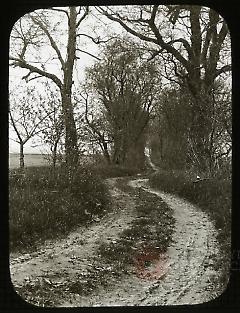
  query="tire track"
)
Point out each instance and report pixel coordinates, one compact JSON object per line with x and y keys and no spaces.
{"x":191,"y":277}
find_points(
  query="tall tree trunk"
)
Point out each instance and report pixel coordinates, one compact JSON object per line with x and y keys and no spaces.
{"x":71,"y":147}
{"x":106,"y":153}
{"x":129,"y":152}
{"x":135,"y":156}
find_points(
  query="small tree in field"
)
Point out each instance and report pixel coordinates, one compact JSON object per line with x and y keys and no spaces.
{"x":53,"y":125}
{"x":26,"y":118}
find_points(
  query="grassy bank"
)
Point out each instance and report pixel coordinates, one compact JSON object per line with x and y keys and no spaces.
{"x":213,"y":196}
{"x":44,"y":204}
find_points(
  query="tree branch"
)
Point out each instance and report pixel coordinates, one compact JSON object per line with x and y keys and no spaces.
{"x":60,"y":10}
{"x":224,"y":69}
{"x":86,"y":52}
{"x":15,"y":127}
{"x":158,"y":38}
{"x":33,"y":69}
{"x":32,"y":131}
{"x":52,"y":41}
{"x":96,"y":40}
{"x":83,"y":16}
{"x":127,"y":28}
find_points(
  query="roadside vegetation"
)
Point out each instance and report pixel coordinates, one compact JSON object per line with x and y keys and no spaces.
{"x":109,"y":171}
{"x":212,"y":195}
{"x":46,"y":203}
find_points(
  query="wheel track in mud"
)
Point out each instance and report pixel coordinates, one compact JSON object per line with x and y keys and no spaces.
{"x":191,"y":270}
{"x":191,"y":267}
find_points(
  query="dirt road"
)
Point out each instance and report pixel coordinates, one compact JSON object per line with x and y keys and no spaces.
{"x":191,"y":276}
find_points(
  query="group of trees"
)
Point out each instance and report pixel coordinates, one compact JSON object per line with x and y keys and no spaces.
{"x":160,"y":84}
{"x":127,"y":88}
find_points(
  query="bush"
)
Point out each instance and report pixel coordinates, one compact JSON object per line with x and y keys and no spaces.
{"x":109,"y":171}
{"x":45,"y":203}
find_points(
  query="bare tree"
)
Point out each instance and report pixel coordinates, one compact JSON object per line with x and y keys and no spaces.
{"x":193,"y":38}
{"x":97,"y":126}
{"x":53,"y":125}
{"x":37,"y":30}
{"x":26,"y":118}
{"x":127,"y":86}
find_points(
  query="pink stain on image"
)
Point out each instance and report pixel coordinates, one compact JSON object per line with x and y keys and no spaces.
{"x":151,"y":264}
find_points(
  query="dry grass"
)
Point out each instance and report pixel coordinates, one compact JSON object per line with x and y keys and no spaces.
{"x":44,"y":204}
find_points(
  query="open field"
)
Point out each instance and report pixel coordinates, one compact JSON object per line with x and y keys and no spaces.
{"x":29,"y":159}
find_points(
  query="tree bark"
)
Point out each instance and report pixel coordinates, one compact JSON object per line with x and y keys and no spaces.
{"x":129,"y":152}
{"x":71,"y":146}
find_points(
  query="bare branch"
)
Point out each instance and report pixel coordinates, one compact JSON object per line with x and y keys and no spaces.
{"x":33,"y":130}
{"x":15,"y":127}
{"x":158,"y":38}
{"x":86,"y":52}
{"x":60,"y":10}
{"x":184,"y":42}
{"x":83,"y":16}
{"x":52,"y":41}
{"x":224,"y":69}
{"x":154,"y":12}
{"x":127,"y":28}
{"x":96,"y":40}
{"x":34,"y":69}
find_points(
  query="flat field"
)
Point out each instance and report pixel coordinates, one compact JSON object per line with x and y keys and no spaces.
{"x":29,"y":159}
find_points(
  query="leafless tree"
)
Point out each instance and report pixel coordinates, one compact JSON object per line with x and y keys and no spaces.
{"x":97,"y":126}
{"x":196,"y":42}
{"x":26,"y":118}
{"x":61,"y":32}
{"x":127,"y":86}
{"x":53,"y":125}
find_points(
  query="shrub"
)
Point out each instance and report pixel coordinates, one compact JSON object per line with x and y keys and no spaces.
{"x":109,"y":171}
{"x":45,"y":203}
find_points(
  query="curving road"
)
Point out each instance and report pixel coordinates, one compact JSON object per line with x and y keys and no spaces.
{"x":190,"y":278}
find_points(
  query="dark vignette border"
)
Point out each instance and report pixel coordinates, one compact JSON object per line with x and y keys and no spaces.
{"x":10,"y":12}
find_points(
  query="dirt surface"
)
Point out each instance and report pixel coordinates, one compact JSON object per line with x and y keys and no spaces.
{"x":190,"y":276}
